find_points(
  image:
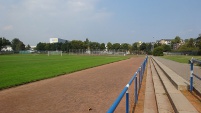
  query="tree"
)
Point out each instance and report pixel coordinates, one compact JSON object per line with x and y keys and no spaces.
{"x":4,"y":42}
{"x":48,"y":46}
{"x":102,"y":46}
{"x":94,"y":45}
{"x":87,"y":43}
{"x":143,"y":47}
{"x":158,"y":51}
{"x":116,"y":46}
{"x":65,"y":46}
{"x":58,"y":46}
{"x":77,"y":44}
{"x":157,"y":45}
{"x":166,"y":48}
{"x":17,"y":45}
{"x":28,"y":47}
{"x":40,"y":46}
{"x":109,"y":45}
{"x":20,"y":46}
{"x":134,"y":46}
{"x":125,"y":46}
{"x":149,"y":48}
{"x":198,"y":42}
{"x":190,"y":43}
{"x":177,"y":39}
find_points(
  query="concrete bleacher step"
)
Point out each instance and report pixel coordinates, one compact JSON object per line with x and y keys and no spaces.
{"x":178,"y":101}
{"x":163,"y":103}
{"x":150,"y":99}
{"x":175,"y":79}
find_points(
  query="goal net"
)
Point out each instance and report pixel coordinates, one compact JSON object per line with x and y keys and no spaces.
{"x":54,"y":53}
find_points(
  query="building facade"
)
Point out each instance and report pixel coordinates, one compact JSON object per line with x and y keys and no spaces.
{"x":7,"y":48}
{"x":165,"y":41}
{"x":57,"y":40}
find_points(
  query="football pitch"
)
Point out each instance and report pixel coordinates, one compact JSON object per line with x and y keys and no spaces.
{"x":20,"y":69}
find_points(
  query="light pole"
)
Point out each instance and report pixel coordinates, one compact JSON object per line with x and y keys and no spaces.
{"x":153,"y":45}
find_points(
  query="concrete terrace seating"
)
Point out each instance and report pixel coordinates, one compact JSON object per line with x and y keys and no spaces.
{"x":176,"y":80}
{"x":167,"y":85}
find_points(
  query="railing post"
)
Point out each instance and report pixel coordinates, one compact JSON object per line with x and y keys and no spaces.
{"x":143,"y":67}
{"x":191,"y":76}
{"x":136,"y":91}
{"x":140,"y":76}
{"x":127,"y":99}
{"x":137,"y":84}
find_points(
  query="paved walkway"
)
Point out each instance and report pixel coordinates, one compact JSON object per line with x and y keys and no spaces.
{"x":183,"y":70}
{"x":93,"y":89}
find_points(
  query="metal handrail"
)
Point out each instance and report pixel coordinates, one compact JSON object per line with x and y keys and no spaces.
{"x":140,"y":70}
{"x":196,"y":60}
{"x":192,"y":74}
{"x":197,"y":76}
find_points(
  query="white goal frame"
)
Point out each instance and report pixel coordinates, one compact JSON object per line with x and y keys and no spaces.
{"x":54,"y":53}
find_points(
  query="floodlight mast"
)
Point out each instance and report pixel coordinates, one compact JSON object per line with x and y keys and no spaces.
{"x":153,"y":46}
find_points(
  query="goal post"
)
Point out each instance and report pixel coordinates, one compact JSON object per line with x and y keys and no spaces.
{"x":54,"y":53}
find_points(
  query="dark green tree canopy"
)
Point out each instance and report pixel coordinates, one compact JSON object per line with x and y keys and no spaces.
{"x":94,"y":45}
{"x":116,"y":46}
{"x":102,"y":46}
{"x":198,"y":42}
{"x":166,"y":48}
{"x":143,"y":46}
{"x":17,"y":45}
{"x":177,"y":39}
{"x":109,"y":45}
{"x":158,"y":51}
{"x":134,"y":46}
{"x":125,"y":46}
{"x":28,"y":47}
{"x":4,"y":42}
{"x":41,"y":46}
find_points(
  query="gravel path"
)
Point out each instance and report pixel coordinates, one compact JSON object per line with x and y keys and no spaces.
{"x":94,"y":88}
{"x":183,"y":70}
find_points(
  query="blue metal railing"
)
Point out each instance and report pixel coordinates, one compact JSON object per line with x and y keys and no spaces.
{"x":137,"y":84}
{"x":193,"y":74}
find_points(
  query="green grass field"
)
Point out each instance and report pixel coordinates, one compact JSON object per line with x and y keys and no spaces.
{"x":20,"y":69}
{"x":181,"y":59}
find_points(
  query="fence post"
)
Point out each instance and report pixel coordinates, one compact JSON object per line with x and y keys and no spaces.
{"x":136,"y":91}
{"x":141,"y":73}
{"x":127,"y":99}
{"x":143,"y":68}
{"x":191,"y":76}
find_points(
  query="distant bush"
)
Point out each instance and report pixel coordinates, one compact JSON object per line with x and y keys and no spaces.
{"x":149,"y":53}
{"x":158,"y":51}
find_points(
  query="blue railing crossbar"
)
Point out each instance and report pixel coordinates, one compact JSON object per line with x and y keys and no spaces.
{"x":193,"y":74}
{"x":197,"y":76}
{"x":117,"y":101}
{"x":196,"y":60}
{"x":125,"y":90}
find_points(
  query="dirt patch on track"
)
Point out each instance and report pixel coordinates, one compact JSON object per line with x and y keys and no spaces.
{"x":194,"y":98}
{"x":92,"y":90}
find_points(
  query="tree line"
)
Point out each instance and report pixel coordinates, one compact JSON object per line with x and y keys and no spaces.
{"x":191,"y":44}
{"x":88,"y":45}
{"x":187,"y":46}
{"x":16,"y":44}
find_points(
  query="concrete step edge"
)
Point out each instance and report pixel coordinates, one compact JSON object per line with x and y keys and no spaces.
{"x":176,"y":80}
{"x":163,"y":102}
{"x":150,"y":105}
{"x":179,"y":102}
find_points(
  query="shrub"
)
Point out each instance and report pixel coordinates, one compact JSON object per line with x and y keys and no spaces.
{"x":158,"y":51}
